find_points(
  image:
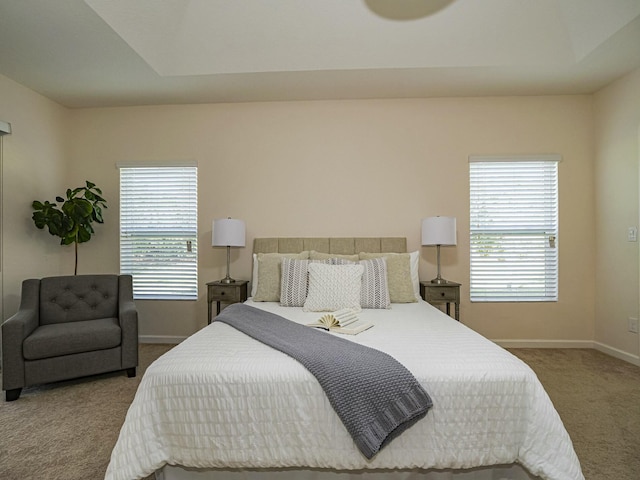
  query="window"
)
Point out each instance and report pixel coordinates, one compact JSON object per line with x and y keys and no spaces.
{"x":514,"y":229}
{"x":158,"y":231}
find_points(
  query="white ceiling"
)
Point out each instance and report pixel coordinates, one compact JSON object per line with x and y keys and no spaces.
{"x":84,"y":53}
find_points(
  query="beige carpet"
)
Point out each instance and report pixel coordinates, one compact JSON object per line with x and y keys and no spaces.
{"x":66,"y":431}
{"x":598,"y":399}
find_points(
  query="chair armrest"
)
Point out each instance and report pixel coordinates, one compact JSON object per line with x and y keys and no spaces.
{"x":14,"y":330}
{"x":129,"y":325}
{"x":128,"y":317}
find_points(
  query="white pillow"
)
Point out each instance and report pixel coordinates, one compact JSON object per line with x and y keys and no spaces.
{"x":414,"y":263}
{"x":375,"y":289}
{"x":333,"y":287}
{"x":254,"y":276}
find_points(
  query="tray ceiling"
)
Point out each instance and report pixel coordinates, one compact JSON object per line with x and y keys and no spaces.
{"x":121,"y":52}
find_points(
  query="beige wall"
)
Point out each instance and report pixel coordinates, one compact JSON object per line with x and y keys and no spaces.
{"x":351,"y":168}
{"x":34,"y":167}
{"x":308,"y":168}
{"x":617,"y":155}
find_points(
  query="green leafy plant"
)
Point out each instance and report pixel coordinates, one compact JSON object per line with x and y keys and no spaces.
{"x":72,"y":220}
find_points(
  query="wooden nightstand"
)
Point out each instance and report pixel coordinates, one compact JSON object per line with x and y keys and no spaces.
{"x":439,"y":293}
{"x":225,"y":293}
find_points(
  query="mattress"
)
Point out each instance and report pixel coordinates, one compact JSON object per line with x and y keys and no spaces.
{"x":221,"y":400}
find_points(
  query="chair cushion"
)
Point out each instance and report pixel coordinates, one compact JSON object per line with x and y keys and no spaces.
{"x":77,"y":298}
{"x":68,"y":338}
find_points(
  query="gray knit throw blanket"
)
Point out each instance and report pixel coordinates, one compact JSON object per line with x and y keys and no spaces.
{"x":374,"y":395}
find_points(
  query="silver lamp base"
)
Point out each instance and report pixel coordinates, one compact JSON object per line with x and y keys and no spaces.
{"x":439,"y":281}
{"x":228,"y":279}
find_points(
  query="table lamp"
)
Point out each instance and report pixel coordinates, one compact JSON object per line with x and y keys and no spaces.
{"x":439,"y":231}
{"x":228,"y":232}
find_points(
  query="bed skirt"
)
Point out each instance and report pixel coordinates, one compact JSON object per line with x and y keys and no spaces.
{"x":502,"y":472}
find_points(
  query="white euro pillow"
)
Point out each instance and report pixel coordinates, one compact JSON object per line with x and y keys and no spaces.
{"x":333,"y":287}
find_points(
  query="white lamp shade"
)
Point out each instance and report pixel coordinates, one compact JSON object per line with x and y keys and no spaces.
{"x":228,"y":232}
{"x":439,"y":231}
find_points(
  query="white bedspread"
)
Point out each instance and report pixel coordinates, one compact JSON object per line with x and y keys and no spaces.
{"x":221,"y":399}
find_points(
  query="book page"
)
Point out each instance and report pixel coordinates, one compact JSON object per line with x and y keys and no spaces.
{"x":341,"y":321}
{"x":353,"y":328}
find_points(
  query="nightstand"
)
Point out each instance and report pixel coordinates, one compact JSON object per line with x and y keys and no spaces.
{"x":225,"y":293}
{"x":439,"y":293}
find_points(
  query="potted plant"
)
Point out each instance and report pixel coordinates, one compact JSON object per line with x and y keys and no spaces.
{"x":72,"y":221}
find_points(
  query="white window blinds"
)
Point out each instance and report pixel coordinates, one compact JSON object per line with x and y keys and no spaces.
{"x":514,"y":229}
{"x":158,"y":231}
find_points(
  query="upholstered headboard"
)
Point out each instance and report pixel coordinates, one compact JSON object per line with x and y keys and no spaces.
{"x":336,"y":245}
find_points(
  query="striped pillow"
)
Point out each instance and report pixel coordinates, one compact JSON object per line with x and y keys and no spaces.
{"x":294,"y":282}
{"x":375,"y":288}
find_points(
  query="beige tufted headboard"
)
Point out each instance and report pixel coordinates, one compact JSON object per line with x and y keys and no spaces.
{"x":336,"y":245}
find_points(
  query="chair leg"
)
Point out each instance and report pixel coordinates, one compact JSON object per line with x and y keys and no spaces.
{"x":131,"y":372}
{"x":13,"y":394}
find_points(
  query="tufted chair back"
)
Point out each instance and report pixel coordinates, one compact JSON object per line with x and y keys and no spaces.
{"x":80,"y":297}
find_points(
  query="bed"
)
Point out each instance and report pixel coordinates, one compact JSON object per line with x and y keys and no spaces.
{"x":222,"y":405}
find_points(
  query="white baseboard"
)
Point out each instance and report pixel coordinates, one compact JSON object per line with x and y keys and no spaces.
{"x":174,"y":340}
{"x":614,"y":352}
{"x":601,"y":347}
{"x":544,"y":343}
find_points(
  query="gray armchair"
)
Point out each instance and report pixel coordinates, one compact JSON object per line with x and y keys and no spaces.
{"x":69,"y":327}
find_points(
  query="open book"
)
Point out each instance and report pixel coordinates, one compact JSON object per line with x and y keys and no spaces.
{"x":342,"y":321}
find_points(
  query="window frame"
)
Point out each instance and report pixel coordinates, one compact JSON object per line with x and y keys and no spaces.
{"x":154,"y":281}
{"x":527,"y":264}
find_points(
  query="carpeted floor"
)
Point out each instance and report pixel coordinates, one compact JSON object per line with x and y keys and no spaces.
{"x":66,"y":430}
{"x":598,"y":399}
